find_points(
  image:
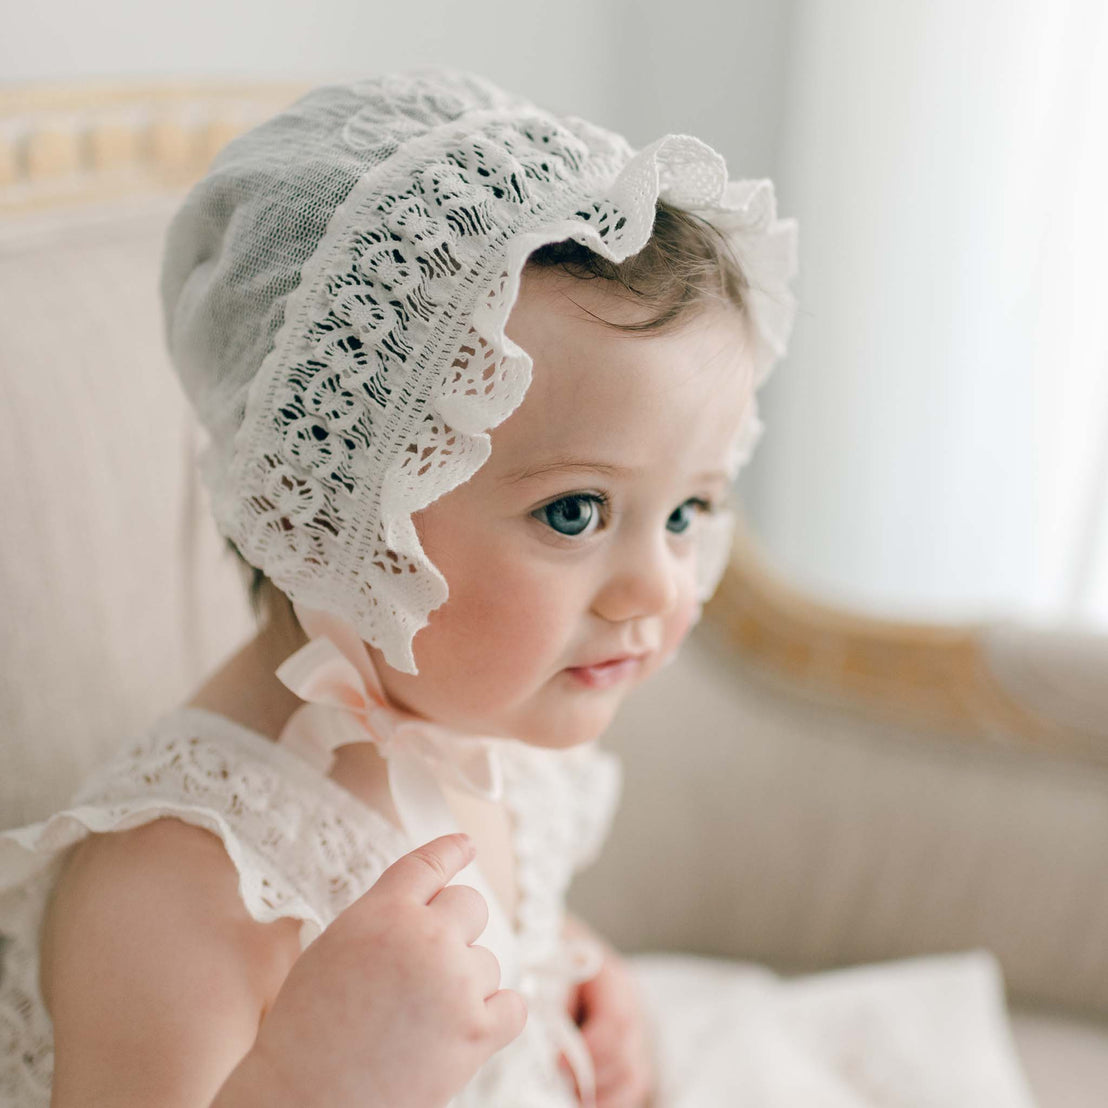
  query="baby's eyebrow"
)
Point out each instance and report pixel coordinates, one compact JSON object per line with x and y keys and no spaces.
{"x":569,"y":464}
{"x":559,"y":465}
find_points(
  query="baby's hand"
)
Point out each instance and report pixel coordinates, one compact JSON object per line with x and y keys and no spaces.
{"x":391,"y":1005}
{"x":610,"y":1015}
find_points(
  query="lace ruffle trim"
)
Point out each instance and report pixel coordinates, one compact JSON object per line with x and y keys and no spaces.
{"x":561,"y":805}
{"x":304,"y":846}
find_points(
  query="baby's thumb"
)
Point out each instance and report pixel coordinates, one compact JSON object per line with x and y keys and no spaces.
{"x":424,"y":871}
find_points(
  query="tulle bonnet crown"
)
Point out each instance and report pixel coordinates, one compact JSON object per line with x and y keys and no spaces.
{"x":336,"y":291}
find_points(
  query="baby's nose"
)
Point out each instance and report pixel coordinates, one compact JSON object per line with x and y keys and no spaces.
{"x":643,"y":583}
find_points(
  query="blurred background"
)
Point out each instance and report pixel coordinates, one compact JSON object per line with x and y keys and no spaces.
{"x":937,"y":443}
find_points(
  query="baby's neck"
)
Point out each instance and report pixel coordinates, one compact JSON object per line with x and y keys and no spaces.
{"x":245,"y":688}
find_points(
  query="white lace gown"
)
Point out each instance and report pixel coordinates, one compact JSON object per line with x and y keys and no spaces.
{"x":917,"y":1034}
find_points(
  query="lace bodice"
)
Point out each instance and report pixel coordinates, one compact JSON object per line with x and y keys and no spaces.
{"x":305,"y":848}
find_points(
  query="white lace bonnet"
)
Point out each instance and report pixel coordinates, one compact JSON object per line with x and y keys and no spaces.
{"x":336,"y":291}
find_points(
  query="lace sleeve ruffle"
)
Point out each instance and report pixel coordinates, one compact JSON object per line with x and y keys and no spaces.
{"x":303,"y":847}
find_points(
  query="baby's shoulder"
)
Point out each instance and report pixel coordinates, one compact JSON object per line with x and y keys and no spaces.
{"x":160,"y":903}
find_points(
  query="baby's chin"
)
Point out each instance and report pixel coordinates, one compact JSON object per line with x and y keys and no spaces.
{"x":555,"y":722}
{"x":581,"y":718}
{"x":576,"y":715}
{"x":565,"y":710}
{"x":565,"y":737}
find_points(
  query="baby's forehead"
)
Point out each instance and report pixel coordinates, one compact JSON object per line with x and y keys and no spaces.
{"x":600,"y":394}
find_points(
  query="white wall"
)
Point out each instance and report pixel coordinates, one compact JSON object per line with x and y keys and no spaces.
{"x":314,"y":40}
{"x":713,"y":68}
{"x":934,"y":436}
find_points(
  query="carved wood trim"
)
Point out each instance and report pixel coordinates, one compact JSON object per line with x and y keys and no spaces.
{"x":102,"y":142}
{"x":930,"y":676}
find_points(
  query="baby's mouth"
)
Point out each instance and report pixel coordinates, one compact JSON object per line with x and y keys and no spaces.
{"x":603,"y":675}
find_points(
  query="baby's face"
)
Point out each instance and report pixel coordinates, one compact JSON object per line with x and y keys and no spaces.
{"x":570,"y":555}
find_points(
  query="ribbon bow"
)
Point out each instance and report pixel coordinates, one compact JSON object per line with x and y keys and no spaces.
{"x":344,"y":707}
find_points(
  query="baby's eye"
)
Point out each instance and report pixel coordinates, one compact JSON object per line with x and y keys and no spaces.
{"x":571,"y":515}
{"x":681,"y":517}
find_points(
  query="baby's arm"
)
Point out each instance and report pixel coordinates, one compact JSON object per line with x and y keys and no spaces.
{"x":154,"y":973}
{"x":160,"y":984}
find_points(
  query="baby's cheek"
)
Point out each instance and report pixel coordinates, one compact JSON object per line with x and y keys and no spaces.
{"x":545,"y":619}
{"x":522,"y":618}
{"x":680,"y":623}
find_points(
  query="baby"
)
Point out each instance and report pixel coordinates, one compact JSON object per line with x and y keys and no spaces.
{"x":476,"y":381}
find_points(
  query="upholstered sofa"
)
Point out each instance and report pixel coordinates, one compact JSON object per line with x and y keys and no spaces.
{"x":804,"y":787}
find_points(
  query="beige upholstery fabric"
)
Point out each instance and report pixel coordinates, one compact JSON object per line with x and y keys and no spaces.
{"x":821,"y":839}
{"x":1058,"y":673}
{"x":1066,"y":1060}
{"x":103,"y":562}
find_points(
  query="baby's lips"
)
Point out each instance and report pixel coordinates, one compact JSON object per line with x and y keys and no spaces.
{"x":610,"y":659}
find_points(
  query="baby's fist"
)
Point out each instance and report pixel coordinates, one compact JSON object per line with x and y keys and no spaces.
{"x":392,"y":1004}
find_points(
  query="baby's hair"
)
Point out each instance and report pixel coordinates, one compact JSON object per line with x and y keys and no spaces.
{"x":686,"y":266}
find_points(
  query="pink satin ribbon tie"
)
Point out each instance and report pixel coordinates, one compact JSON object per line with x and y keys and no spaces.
{"x":324,"y":676}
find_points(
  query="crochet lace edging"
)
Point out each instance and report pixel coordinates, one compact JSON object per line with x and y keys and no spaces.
{"x":265,"y":900}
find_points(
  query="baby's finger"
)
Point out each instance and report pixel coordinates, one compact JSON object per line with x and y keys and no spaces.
{"x":466,"y":909}
{"x":421,"y":873}
{"x":606,"y":1038}
{"x":486,"y":971}
{"x":623,"y":1079}
{"x":612,"y":1075}
{"x":508,"y":1012}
